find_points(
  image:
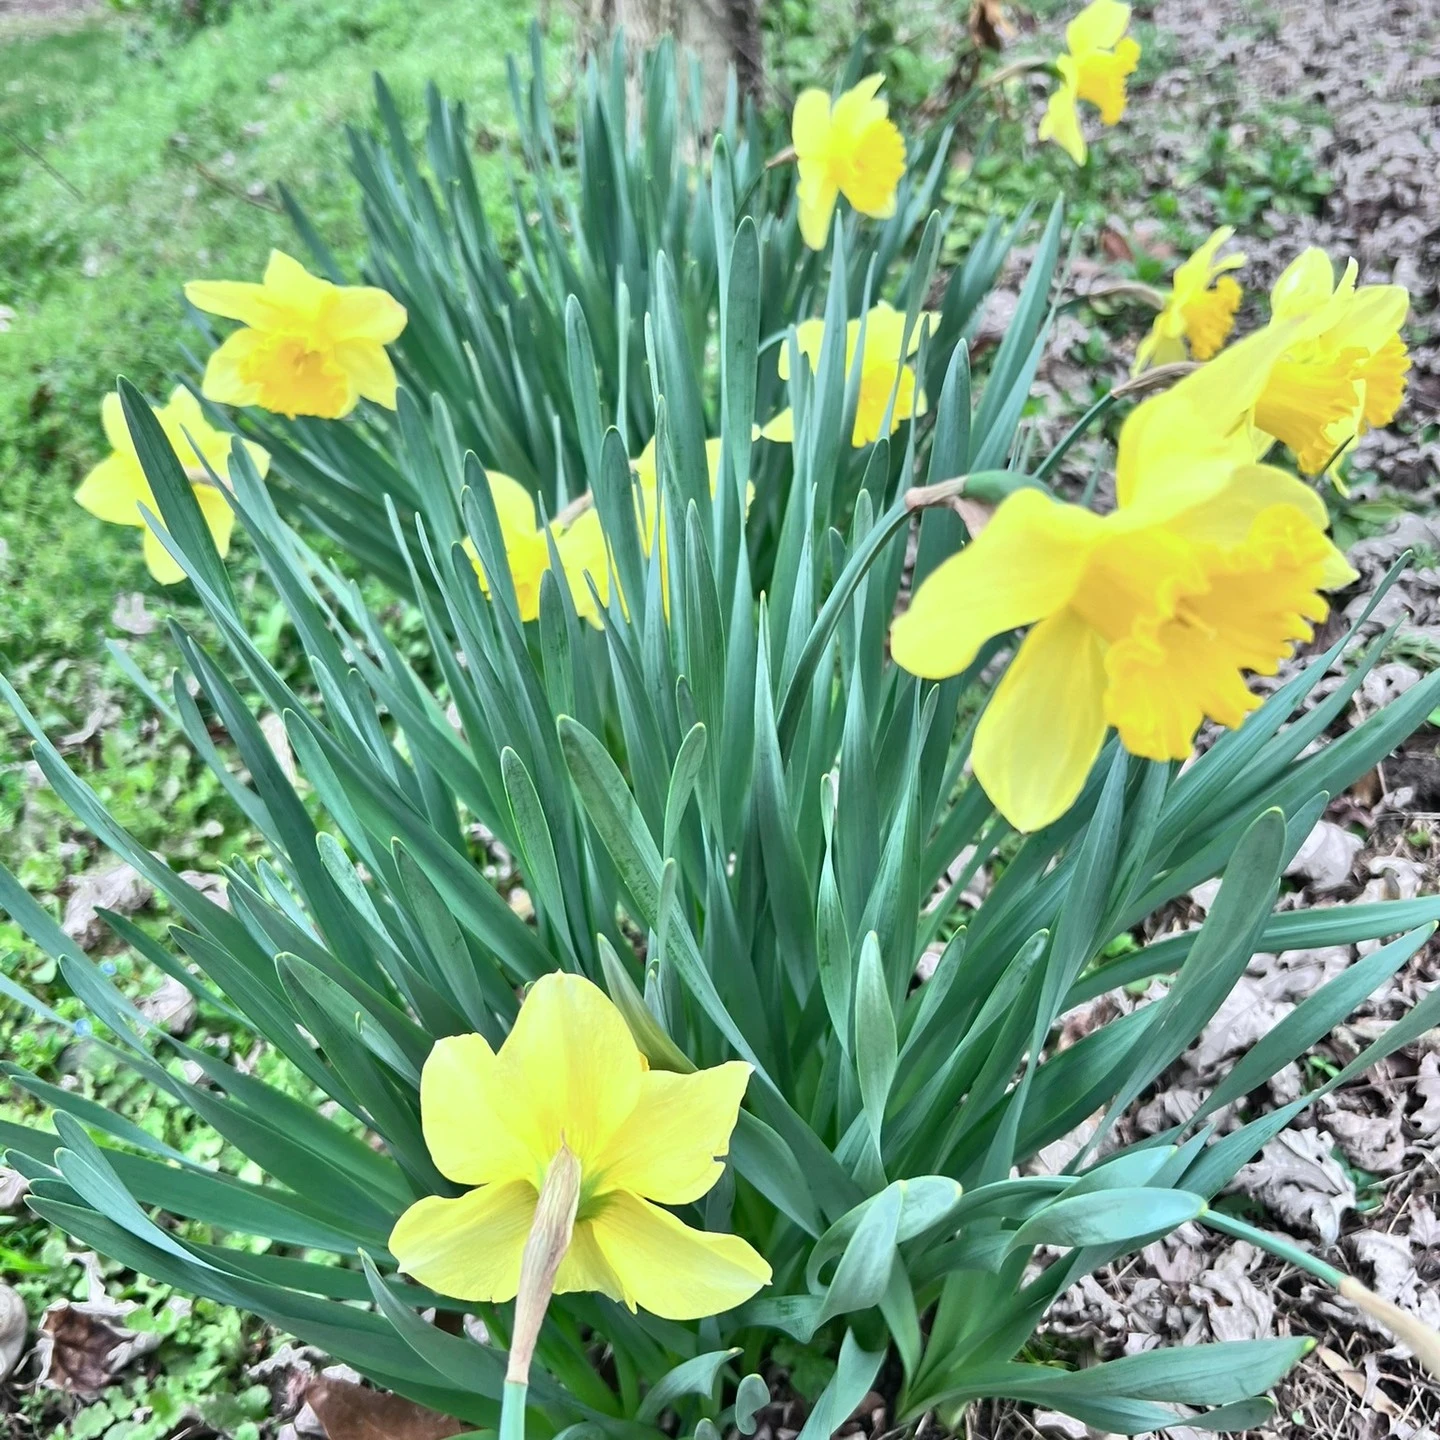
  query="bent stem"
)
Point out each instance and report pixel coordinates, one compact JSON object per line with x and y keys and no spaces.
{"x":1421,"y":1338}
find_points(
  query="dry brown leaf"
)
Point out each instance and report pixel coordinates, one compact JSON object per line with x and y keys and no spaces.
{"x":1326,"y":857}
{"x":83,"y":1347}
{"x":119,"y":888}
{"x":1299,"y":1179}
{"x":356,"y":1412}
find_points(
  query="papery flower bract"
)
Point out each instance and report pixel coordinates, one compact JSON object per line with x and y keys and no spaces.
{"x":116,"y":488}
{"x":580,"y":544}
{"x":1100,"y":55}
{"x":1199,"y":311}
{"x":308,"y":347}
{"x":1145,"y":619}
{"x":1345,"y":373}
{"x":569,"y":1073}
{"x":850,"y":148}
{"x":884,"y":335}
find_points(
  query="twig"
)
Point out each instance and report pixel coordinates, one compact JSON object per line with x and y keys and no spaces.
{"x":39,"y":159}
{"x":234,"y":191}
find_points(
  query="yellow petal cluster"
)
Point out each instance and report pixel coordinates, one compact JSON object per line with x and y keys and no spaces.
{"x":1199,"y":312}
{"x":1345,"y":372}
{"x":850,"y":148}
{"x":116,"y":488}
{"x":1099,"y":56}
{"x":1146,"y":619}
{"x":579,"y":542}
{"x":883,"y":357}
{"x":307,"y":347}
{"x":569,"y":1075}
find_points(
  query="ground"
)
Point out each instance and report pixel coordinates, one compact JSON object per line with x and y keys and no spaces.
{"x":131,"y":160}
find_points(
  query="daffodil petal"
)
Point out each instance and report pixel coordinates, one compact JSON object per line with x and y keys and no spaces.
{"x":1024,"y":565}
{"x":224,"y":381}
{"x":810,"y":124}
{"x":112,"y":420}
{"x":671,"y":1270}
{"x":233,"y":300}
{"x":114,"y":491}
{"x":667,"y":1149}
{"x":219,"y":516}
{"x":363,"y":312}
{"x":572,"y":1057}
{"x":1305,"y":284}
{"x":1045,"y":723}
{"x":162,"y":565}
{"x":293,"y":287}
{"x":463,"y":1104}
{"x":469,"y":1247}
{"x":780,"y":430}
{"x":585,"y":1266}
{"x":1098,"y":26}
{"x":816,"y":196}
{"x":370,"y":369}
{"x":1061,"y":123}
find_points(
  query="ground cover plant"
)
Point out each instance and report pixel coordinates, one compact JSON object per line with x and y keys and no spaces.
{"x":647,"y":596}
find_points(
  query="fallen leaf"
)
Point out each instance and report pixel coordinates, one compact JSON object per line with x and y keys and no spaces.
{"x":14,"y":1325}
{"x":272,"y":727}
{"x":131,"y":616}
{"x":83,"y":1347}
{"x":1235,"y":1306}
{"x":171,"y":1007}
{"x":1299,"y":1179}
{"x":356,"y":1412}
{"x":13,"y":1189}
{"x":120,"y":888}
{"x":1326,"y":857}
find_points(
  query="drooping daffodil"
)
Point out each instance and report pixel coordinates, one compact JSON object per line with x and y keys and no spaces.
{"x":579,"y":541}
{"x":1199,"y":312}
{"x":849,"y":148}
{"x":1345,"y":373}
{"x":307,"y":346}
{"x":880,"y":362}
{"x":1146,"y":619}
{"x":570,"y":1085}
{"x":116,"y":488}
{"x":1099,"y":55}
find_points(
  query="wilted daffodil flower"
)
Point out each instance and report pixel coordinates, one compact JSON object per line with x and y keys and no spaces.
{"x":884,"y":337}
{"x":1345,"y":373}
{"x":116,"y":488}
{"x":308,"y":347}
{"x":850,"y":148}
{"x":579,"y":543}
{"x":1199,"y":312}
{"x":1099,"y":55}
{"x":568,"y":1095}
{"x":1146,"y":619}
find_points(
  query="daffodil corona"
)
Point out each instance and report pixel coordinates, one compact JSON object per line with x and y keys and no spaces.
{"x":1199,"y":312}
{"x":116,"y":488}
{"x":848,"y":148}
{"x":308,"y":347}
{"x":1345,"y":372}
{"x":1146,"y":619}
{"x":579,"y":542}
{"x":880,"y":362}
{"x":1099,"y":56}
{"x":569,"y":1078}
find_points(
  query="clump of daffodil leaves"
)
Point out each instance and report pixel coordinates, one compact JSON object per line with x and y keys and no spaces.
{"x":740,"y":694}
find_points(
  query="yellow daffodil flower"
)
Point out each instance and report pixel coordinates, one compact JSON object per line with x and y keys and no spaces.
{"x":1345,"y":374}
{"x":1145,"y":619}
{"x":1099,"y":55}
{"x":1199,"y":312}
{"x":850,"y":148}
{"x":579,"y":543}
{"x":649,"y":499}
{"x":307,"y":347}
{"x":884,"y":334}
{"x":116,"y":488}
{"x":569,"y":1077}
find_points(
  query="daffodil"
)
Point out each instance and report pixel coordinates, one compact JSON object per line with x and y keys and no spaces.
{"x":1146,"y":619}
{"x":308,"y":347}
{"x":569,"y":1086}
{"x":1099,"y":55}
{"x":116,"y":488}
{"x":882,"y":358}
{"x":1345,"y":373}
{"x":579,"y":542}
{"x":848,"y":148}
{"x":1199,"y":312}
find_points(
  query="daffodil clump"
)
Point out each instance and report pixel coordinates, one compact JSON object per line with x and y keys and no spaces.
{"x":615,"y":938}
